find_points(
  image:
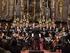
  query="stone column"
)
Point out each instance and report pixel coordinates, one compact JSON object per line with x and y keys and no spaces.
{"x":22,"y":8}
{"x":27,"y":9}
{"x":43,"y":11}
{"x":60,"y":9}
{"x":65,"y":9}
{"x":40,"y":10}
{"x":47,"y":10}
{"x":18,"y":6}
{"x":53,"y":9}
{"x":7,"y":8}
{"x":4,"y":8}
{"x":34,"y":9}
{"x":0,"y":8}
{"x":56,"y":9}
{"x":68,"y":21}
{"x":11,"y":8}
{"x":14,"y":9}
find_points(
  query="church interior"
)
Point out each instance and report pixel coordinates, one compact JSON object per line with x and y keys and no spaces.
{"x":34,"y":26}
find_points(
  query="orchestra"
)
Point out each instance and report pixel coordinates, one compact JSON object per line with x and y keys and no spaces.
{"x":34,"y":36}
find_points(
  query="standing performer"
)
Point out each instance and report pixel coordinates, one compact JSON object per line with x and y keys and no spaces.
{"x":41,"y":42}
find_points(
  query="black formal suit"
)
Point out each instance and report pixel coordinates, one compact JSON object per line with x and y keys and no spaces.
{"x":0,"y":29}
{"x":14,"y":48}
{"x":36,"y":32}
{"x":65,"y":45}
{"x":46,"y":34}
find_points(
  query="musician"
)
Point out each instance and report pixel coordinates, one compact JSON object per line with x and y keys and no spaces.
{"x":65,"y":41}
{"x":13,"y":43}
{"x":69,"y":32}
{"x":44,"y":31}
{"x":20,"y":42}
{"x":0,"y":28}
{"x":33,"y":41}
{"x":60,"y":27}
{"x":33,"y":25}
{"x":35,"y":38}
{"x":4,"y":41}
{"x":50,"y":27}
{"x":13,"y":46}
{"x":64,"y":33}
{"x":21,"y":27}
{"x":1,"y":37}
{"x":57,"y":42}
{"x":2,"y":50}
{"x":41,"y":42}
{"x":48,"y":41}
{"x":5,"y":30}
{"x":18,"y":29}
{"x":13,"y":28}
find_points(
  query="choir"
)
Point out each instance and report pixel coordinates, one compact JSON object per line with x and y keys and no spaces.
{"x":34,"y":36}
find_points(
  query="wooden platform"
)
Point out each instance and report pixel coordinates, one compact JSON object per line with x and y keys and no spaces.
{"x":38,"y":51}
